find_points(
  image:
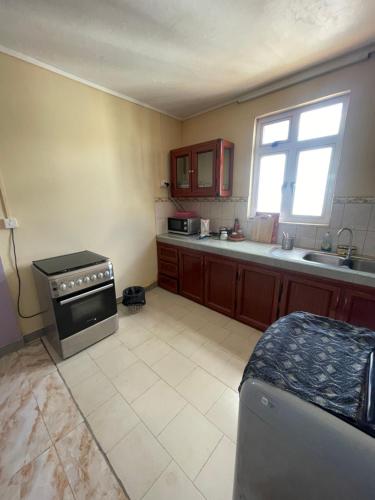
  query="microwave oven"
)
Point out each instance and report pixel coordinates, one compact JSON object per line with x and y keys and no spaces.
{"x":183,"y":226}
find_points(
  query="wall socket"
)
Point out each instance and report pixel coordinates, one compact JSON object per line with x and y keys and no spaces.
{"x":164,"y":184}
{"x":8,"y":223}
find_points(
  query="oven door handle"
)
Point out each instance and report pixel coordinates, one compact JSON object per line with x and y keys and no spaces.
{"x":85,"y":294}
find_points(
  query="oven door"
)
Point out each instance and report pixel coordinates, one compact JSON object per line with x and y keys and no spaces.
{"x":81,"y":310}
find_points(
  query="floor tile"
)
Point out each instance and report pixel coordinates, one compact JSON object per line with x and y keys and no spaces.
{"x":173,"y":485}
{"x":93,"y":392}
{"x":187,"y":342}
{"x":241,"y":344}
{"x":115,"y":361}
{"x":152,"y":350}
{"x":224,"y":413}
{"x":190,"y":438}
{"x":88,"y":473}
{"x":158,"y":406}
{"x":201,"y":389}
{"x":166,"y":331}
{"x":103,"y":346}
{"x":43,"y":478}
{"x":174,"y":367}
{"x":13,"y":378}
{"x":60,"y":413}
{"x":216,"y":478}
{"x":112,"y":421}
{"x":214,"y":333}
{"x":133,"y":336}
{"x":23,"y":435}
{"x":138,"y":460}
{"x":135,"y":380}
{"x":77,"y":369}
{"x":194,"y":321}
{"x":36,"y":360}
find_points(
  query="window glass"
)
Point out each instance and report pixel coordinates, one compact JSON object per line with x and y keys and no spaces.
{"x":276,"y":131}
{"x":271,"y":178}
{"x":310,"y":187}
{"x":320,"y":122}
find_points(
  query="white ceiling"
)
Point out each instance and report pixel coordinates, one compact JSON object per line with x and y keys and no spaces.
{"x":184,"y":56}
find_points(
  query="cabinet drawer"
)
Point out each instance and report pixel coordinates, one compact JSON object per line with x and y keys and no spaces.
{"x":167,"y":253}
{"x":168,"y":283}
{"x":168,"y":268}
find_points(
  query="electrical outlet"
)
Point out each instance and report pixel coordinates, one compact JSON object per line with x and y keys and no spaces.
{"x":9,"y":223}
{"x":164,"y":184}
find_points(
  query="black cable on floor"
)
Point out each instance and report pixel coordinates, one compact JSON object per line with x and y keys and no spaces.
{"x":24,"y":316}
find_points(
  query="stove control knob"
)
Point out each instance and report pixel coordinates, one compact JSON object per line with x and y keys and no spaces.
{"x":71,"y":284}
{"x":62,"y":287}
{"x":79,"y":282}
{"x":93,"y":277}
{"x":86,"y":279}
{"x":100,"y":276}
{"x":107,"y":274}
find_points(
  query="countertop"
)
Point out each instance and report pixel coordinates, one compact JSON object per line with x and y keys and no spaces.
{"x":270,"y":255}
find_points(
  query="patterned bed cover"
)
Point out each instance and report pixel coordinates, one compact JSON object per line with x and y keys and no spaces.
{"x":321,"y":360}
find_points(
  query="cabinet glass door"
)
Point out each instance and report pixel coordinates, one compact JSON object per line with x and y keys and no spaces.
{"x":226,"y":169}
{"x":183,"y":172}
{"x":204,"y":161}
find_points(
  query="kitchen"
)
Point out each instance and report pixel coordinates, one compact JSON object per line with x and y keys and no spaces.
{"x":85,"y":167}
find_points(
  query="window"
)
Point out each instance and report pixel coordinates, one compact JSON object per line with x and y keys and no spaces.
{"x":295,"y":161}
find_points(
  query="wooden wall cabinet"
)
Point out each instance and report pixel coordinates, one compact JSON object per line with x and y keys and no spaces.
{"x":256,"y":294}
{"x":204,"y":169}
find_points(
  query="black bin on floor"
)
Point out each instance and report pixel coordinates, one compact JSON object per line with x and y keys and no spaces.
{"x":134,"y":297}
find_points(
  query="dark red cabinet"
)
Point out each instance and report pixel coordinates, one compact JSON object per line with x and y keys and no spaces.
{"x":304,"y":294}
{"x":220,"y":284}
{"x":358,"y":308}
{"x":191,"y":274}
{"x":257,"y":295}
{"x":204,"y":169}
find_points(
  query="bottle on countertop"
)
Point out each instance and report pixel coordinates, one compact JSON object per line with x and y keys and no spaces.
{"x":327,"y":242}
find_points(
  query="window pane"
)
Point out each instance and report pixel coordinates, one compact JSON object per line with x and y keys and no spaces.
{"x":271,"y":178}
{"x":277,"y":131}
{"x":312,"y":173}
{"x":320,"y":122}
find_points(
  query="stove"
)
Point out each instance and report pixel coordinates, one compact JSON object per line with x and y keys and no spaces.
{"x":77,"y":293}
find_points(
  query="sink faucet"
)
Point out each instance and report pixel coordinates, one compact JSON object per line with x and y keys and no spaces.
{"x":350,"y":246}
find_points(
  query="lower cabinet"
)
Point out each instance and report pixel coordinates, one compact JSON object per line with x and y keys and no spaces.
{"x":257,"y":295}
{"x":304,"y":294}
{"x":358,"y":308}
{"x":191,"y":275}
{"x":220,"y":284}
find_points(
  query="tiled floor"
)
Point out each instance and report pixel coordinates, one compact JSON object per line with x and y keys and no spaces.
{"x":160,"y":397}
{"x":47,"y":450}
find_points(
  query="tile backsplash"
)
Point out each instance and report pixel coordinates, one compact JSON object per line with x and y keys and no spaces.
{"x":356,"y":213}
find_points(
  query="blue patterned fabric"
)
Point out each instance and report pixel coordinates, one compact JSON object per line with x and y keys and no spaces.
{"x":318,"y":359}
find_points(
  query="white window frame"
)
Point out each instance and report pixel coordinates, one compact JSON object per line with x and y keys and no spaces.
{"x":292,"y":147}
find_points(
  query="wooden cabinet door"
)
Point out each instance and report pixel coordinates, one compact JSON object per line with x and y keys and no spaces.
{"x":181,"y":172}
{"x":191,"y":274}
{"x":304,"y":294}
{"x":203,"y":160}
{"x":257,"y":295}
{"x":224,"y":166}
{"x":358,"y":308}
{"x":220,"y":284}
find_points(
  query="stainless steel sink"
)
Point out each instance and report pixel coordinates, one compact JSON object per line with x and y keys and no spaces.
{"x":363,"y":264}
{"x":323,"y":258}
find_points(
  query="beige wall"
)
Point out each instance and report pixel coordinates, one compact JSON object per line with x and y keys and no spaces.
{"x":81,"y":169}
{"x":235,"y":122}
